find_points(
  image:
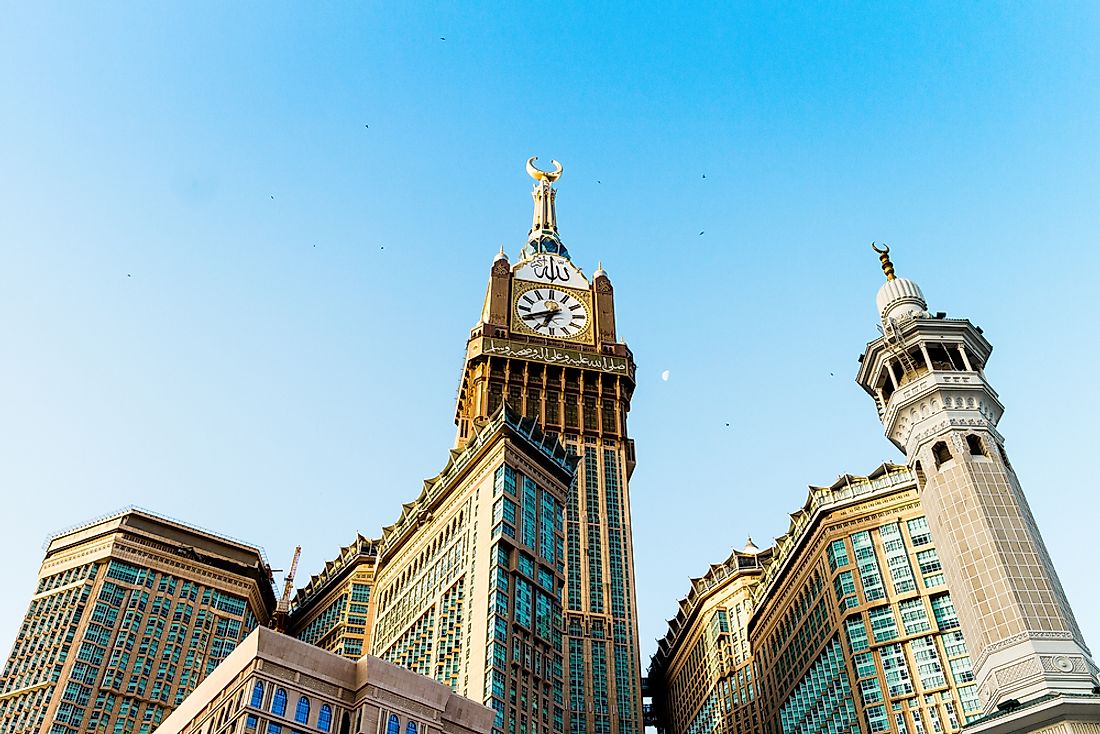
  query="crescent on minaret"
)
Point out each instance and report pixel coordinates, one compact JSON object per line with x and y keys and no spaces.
{"x":538,"y":175}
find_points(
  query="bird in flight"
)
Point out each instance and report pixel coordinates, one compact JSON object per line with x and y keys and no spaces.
{"x":441,"y":38}
{"x":700,"y":233}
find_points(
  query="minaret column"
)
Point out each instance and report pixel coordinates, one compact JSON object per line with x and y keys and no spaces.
{"x":1023,"y":639}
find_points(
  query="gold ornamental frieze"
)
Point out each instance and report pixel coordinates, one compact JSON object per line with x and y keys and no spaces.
{"x":547,"y":354}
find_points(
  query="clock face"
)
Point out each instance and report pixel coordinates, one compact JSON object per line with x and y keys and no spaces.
{"x":552,"y":312}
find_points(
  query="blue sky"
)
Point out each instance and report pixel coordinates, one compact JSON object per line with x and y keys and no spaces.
{"x":224,"y":297}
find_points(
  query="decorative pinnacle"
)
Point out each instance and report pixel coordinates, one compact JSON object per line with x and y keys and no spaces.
{"x":884,"y":258}
{"x":545,"y":218}
{"x":538,"y":175}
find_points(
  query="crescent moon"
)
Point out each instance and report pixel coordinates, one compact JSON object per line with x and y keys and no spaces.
{"x":884,"y":251}
{"x":543,"y":175}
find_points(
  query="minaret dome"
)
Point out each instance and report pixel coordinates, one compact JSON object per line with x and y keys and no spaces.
{"x":899,"y":299}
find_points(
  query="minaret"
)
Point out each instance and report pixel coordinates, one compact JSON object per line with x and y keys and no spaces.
{"x":926,"y":374}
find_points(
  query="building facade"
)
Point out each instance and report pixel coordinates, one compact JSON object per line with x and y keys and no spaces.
{"x":702,"y":678}
{"x":546,"y":345}
{"x":130,"y":613}
{"x":926,"y":374}
{"x":855,"y":626}
{"x":335,"y":611}
{"x":275,"y":684}
{"x":470,"y":577}
{"x":847,"y":626}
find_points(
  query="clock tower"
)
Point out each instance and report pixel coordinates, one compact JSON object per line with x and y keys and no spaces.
{"x":546,"y":345}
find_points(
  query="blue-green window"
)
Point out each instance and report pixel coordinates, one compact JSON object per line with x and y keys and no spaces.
{"x":944,"y":611}
{"x":883,"y":624}
{"x":838,"y":554}
{"x":857,"y":634}
{"x":866,"y":562}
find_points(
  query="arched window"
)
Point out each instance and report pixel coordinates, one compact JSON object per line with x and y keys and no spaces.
{"x":975,"y":445}
{"x":324,"y":719}
{"x":941,"y":453}
{"x":301,"y":714}
{"x":920,"y":475}
{"x":393,"y":726}
{"x":278,"y":702}
{"x":345,"y":723}
{"x":257,"y":695}
{"x":410,"y":728}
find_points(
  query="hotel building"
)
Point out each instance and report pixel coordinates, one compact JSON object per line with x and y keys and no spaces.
{"x":275,"y":684}
{"x":849,"y":623}
{"x":334,"y":611}
{"x":129,"y":614}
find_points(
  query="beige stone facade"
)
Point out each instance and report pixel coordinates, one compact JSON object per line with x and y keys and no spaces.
{"x":130,"y":613}
{"x":850,"y":627}
{"x":335,"y":610}
{"x":927,"y":376}
{"x":275,"y":684}
{"x":702,"y":677}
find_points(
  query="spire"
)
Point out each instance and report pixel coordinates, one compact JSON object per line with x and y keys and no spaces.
{"x":884,"y":258}
{"x":545,"y":218}
{"x":501,"y":255}
{"x":898,"y":299}
{"x":543,"y":236}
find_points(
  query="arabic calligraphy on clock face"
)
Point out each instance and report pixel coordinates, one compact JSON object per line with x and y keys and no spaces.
{"x":552,"y":269}
{"x":552,"y":312}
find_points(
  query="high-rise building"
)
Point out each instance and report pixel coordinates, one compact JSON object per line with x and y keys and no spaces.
{"x":129,"y":614}
{"x":926,"y":374}
{"x":701,"y":679}
{"x":334,"y":610}
{"x":275,"y":684}
{"x":469,"y":580}
{"x":546,"y":345}
{"x":848,"y":627}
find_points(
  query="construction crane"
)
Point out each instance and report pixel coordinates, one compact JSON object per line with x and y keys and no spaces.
{"x":282,"y":607}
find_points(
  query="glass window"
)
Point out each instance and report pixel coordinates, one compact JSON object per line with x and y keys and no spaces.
{"x":857,"y":634}
{"x":278,"y":702}
{"x":301,"y":713}
{"x":393,"y":726}
{"x":257,"y":695}
{"x":838,"y":554}
{"x":411,"y":728}
{"x":883,"y":625}
{"x":913,"y":616}
{"x":919,"y":533}
{"x":324,"y":718}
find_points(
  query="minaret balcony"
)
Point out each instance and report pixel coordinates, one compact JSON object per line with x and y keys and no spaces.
{"x":936,"y":402}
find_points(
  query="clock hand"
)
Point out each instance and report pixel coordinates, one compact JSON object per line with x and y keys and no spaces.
{"x":538,"y":314}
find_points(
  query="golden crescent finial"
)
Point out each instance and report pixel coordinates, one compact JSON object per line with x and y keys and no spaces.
{"x":538,"y":175}
{"x":884,"y":258}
